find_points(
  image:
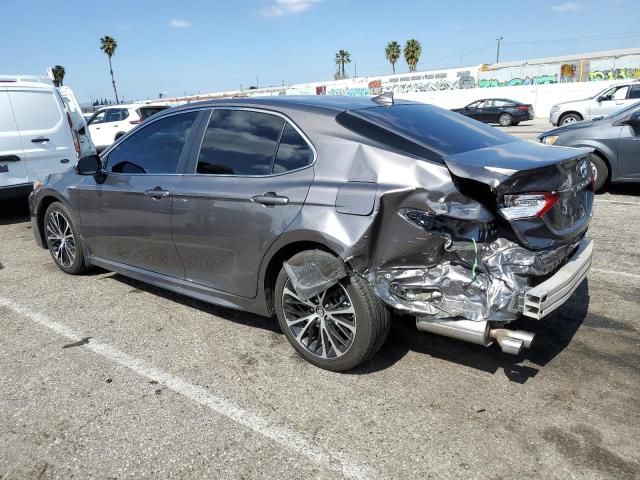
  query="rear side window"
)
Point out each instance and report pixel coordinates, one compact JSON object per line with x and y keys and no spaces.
{"x":35,"y":110}
{"x":146,"y":112}
{"x":239,"y":142}
{"x":423,"y":130}
{"x":293,"y":151}
{"x":634,"y":92}
{"x":154,"y":149}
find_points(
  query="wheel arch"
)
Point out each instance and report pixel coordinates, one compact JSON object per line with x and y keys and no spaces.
{"x":570,"y":112}
{"x":43,"y":204}
{"x":605,"y":153}
{"x":287,"y":248}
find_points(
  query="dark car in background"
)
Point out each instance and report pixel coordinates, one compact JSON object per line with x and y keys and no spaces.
{"x":498,"y":110}
{"x":615,"y":140}
{"x":330,"y":213}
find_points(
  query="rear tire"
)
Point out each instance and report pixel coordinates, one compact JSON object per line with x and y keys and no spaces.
{"x":505,"y":120}
{"x":600,"y":170}
{"x":63,"y":241}
{"x":353,"y":339}
{"x":569,"y":118}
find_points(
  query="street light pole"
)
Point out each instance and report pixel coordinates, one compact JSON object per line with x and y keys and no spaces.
{"x":498,"y":52}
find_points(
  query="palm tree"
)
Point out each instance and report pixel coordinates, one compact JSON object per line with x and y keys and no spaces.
{"x":108,"y":45}
{"x":342,"y":58}
{"x":393,"y":52}
{"x":412,"y":51}
{"x":58,"y":75}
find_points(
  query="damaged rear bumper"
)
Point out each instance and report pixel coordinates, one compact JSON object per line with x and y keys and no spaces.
{"x":504,"y":287}
{"x":544,"y":298}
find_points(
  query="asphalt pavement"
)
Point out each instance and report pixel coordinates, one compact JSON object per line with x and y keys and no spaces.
{"x":105,"y":377}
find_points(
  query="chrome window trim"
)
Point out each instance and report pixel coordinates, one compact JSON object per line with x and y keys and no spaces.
{"x":257,"y":110}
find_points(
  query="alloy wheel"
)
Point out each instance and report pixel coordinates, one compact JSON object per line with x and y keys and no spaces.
{"x":569,"y":120}
{"x":505,"y":120}
{"x":60,"y":239}
{"x":324,"y":325}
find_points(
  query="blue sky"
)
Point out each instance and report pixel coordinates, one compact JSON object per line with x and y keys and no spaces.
{"x":201,"y":46}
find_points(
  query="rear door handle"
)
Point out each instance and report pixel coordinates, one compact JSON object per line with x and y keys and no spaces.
{"x":9,"y":158}
{"x":39,"y":140}
{"x":270,"y":199}
{"x":157,"y":193}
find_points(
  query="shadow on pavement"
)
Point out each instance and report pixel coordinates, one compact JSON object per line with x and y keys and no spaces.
{"x":14,"y":210}
{"x":630,"y":189}
{"x":553,"y":335}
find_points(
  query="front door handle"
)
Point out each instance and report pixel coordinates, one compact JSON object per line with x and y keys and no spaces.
{"x":9,"y":158}
{"x":39,"y":140}
{"x":270,"y":199}
{"x":157,"y":193}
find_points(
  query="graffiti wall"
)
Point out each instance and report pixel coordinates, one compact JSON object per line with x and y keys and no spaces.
{"x":613,"y":68}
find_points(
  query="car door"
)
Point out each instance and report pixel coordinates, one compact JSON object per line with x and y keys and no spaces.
{"x":13,"y":165}
{"x":481,"y":113}
{"x":45,"y":131}
{"x":248,"y":181}
{"x":126,"y":213}
{"x":610,"y":101}
{"x":629,"y":149}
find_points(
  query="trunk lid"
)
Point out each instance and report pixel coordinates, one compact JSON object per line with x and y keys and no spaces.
{"x":559,"y":178}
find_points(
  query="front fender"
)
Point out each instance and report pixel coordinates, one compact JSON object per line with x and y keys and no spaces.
{"x":610,"y":155}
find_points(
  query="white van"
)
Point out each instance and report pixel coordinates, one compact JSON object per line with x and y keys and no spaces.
{"x":36,"y":134}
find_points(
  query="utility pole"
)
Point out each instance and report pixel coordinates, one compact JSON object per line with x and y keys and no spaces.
{"x":461,"y":53}
{"x":355,"y":69}
{"x":498,"y":52}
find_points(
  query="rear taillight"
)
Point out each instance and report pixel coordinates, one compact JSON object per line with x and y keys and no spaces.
{"x":527,"y":205}
{"x":74,"y":134}
{"x":523,"y":107}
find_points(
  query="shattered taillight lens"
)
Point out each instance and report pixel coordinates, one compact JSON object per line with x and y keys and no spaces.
{"x":527,"y":205}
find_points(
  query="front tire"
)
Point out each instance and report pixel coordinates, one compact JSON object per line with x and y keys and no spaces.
{"x":337,"y":329}
{"x":63,"y":240}
{"x":600,"y":171}
{"x":505,"y":120}
{"x":569,"y":118}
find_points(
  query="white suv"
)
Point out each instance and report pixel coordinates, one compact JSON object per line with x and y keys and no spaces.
{"x":36,"y":134}
{"x":110,"y":123}
{"x":605,"y":102}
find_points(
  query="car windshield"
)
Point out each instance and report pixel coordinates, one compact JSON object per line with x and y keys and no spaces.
{"x":431,"y":128}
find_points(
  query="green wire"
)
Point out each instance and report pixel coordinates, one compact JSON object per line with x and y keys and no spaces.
{"x":475,"y":261}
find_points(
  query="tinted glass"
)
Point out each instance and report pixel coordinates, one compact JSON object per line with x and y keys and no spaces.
{"x":146,"y":112}
{"x":426,"y":131}
{"x":635,"y":91}
{"x":116,"y":114}
{"x":293,"y":152}
{"x":239,"y":142}
{"x":155,"y":148}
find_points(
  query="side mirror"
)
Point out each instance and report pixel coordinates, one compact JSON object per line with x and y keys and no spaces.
{"x":89,"y":165}
{"x":634,"y":119}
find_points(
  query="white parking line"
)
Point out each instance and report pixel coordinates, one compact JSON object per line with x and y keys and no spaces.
{"x":616,"y":273}
{"x":289,"y":439}
{"x":616,"y":202}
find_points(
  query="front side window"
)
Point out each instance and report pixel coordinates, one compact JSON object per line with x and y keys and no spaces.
{"x":98,"y":118}
{"x":239,"y":142}
{"x":621,"y":93}
{"x":155,"y":149}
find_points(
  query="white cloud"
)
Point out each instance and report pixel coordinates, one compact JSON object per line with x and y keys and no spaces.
{"x":285,"y":7}
{"x":566,"y":7}
{"x":179,"y":23}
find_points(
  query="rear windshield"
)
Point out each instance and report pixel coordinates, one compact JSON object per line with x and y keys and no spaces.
{"x":146,"y":112}
{"x":423,"y":130}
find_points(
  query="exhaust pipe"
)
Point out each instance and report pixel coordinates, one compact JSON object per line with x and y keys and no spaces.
{"x":480,"y":333}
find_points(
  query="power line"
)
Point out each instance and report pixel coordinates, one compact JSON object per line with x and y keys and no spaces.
{"x":606,"y":36}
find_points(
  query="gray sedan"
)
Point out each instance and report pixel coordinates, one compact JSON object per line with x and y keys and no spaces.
{"x":330,"y":213}
{"x":615,"y":140}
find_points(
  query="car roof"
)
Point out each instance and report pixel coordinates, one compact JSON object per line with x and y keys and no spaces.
{"x":501,"y":99}
{"x":328,"y":104}
{"x":9,"y":82}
